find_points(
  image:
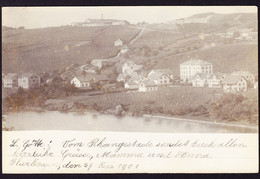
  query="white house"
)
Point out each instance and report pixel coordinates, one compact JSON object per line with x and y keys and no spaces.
{"x":10,"y":80}
{"x":234,"y":84}
{"x":161,"y":76}
{"x":190,"y":68}
{"x":246,"y":74}
{"x":99,"y":63}
{"x":129,"y":67}
{"x":200,"y":80}
{"x":124,"y":49}
{"x":215,"y":80}
{"x":147,"y":86}
{"x":118,"y":42}
{"x":81,"y":82}
{"x":131,"y":85}
{"x":29,"y":80}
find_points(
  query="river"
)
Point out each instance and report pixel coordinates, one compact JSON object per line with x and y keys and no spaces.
{"x":54,"y":120}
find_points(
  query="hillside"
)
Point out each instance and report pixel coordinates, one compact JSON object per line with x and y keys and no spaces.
{"x":52,"y":48}
{"x":159,"y":45}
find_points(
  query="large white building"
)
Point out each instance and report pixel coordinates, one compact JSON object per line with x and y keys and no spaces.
{"x":190,"y":68}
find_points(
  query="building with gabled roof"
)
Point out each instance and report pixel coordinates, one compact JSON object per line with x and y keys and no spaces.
{"x":191,"y":67}
{"x":29,"y":80}
{"x":118,"y":42}
{"x":81,"y":81}
{"x":161,"y":76}
{"x":147,"y":85}
{"x":215,"y":80}
{"x":234,"y":84}
{"x":10,"y":80}
{"x":200,"y":79}
{"x":248,"y":76}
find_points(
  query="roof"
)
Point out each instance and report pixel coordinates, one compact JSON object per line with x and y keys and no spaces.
{"x":156,"y":74}
{"x":118,"y":40}
{"x":241,"y":73}
{"x":10,"y":76}
{"x":218,"y":75}
{"x":27,"y":75}
{"x":83,"y":78}
{"x":103,"y":20}
{"x":193,"y":62}
{"x":232,"y":79}
{"x":149,"y":83}
{"x":202,"y":76}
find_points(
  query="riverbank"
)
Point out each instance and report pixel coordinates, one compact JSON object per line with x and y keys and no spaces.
{"x":86,"y":121}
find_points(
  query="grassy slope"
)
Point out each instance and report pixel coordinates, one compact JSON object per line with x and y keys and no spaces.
{"x":53,"y":48}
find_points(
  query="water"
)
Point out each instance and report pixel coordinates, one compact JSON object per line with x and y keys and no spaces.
{"x":54,"y":120}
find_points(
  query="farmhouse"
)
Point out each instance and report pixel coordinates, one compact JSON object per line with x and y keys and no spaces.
{"x":131,"y":85}
{"x":234,"y":84}
{"x":161,"y":76}
{"x":246,"y":74}
{"x":10,"y":80}
{"x":147,"y":86}
{"x":28,"y":80}
{"x":215,"y":80}
{"x":118,"y":42}
{"x":81,"y":82}
{"x":189,"y":68}
{"x":99,"y":63}
{"x":129,"y":67}
{"x":201,"y":79}
{"x":124,"y":49}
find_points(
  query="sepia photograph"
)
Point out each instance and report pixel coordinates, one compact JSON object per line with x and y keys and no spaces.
{"x":162,"y":69}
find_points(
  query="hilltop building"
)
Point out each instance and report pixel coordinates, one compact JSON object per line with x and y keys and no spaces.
{"x":29,"y":80}
{"x":118,"y":42}
{"x":100,"y":22}
{"x":10,"y":80}
{"x":190,"y":68}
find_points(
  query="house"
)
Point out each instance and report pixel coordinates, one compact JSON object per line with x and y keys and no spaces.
{"x":121,"y":77}
{"x":10,"y":80}
{"x":29,"y":80}
{"x":129,"y":67}
{"x":191,"y":67}
{"x":118,"y":42}
{"x":234,"y":84}
{"x":246,"y":74}
{"x":81,"y":82}
{"x":147,"y":86}
{"x":99,"y":63}
{"x":161,"y":76}
{"x":124,"y":49}
{"x":215,"y":80}
{"x":131,"y":85}
{"x":201,"y":80}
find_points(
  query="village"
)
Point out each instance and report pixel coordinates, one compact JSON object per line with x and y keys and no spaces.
{"x":194,"y":72}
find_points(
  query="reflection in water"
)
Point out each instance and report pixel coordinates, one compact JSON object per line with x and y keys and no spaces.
{"x":54,"y":120}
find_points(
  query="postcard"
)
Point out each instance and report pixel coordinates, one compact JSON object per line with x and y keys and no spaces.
{"x":130,"y":89}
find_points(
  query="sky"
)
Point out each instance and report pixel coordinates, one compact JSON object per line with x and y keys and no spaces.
{"x":39,"y":17}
